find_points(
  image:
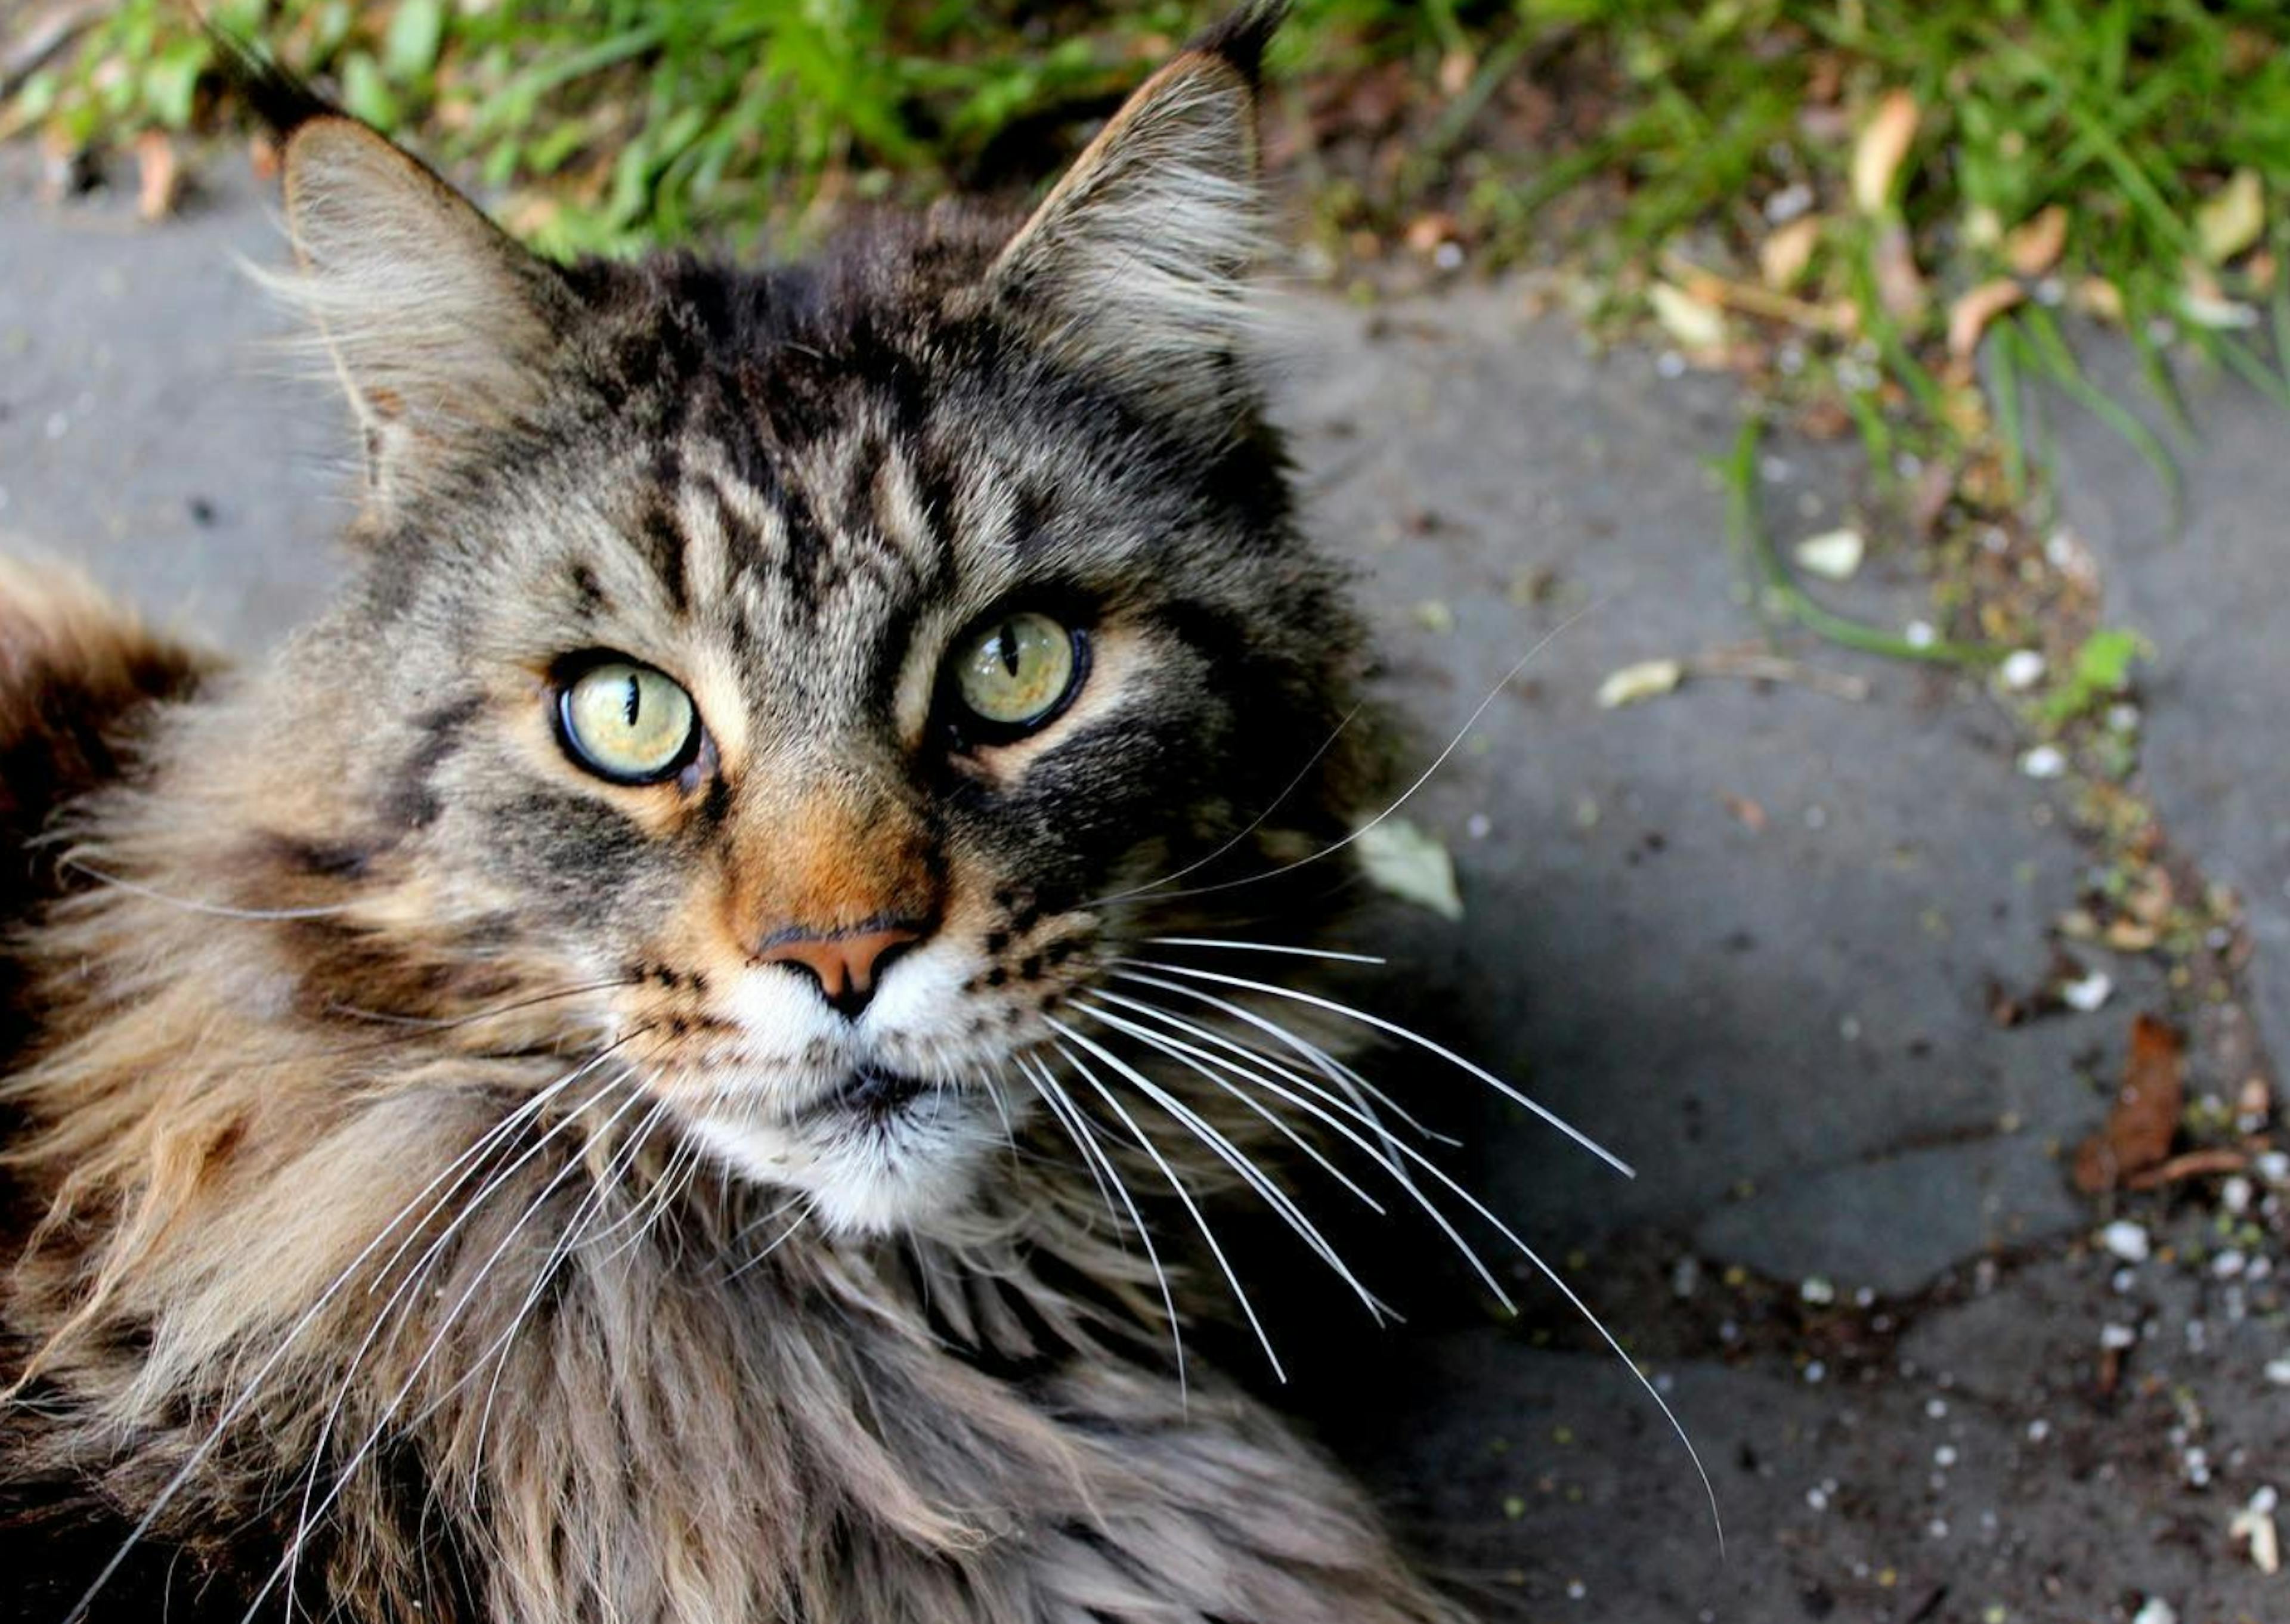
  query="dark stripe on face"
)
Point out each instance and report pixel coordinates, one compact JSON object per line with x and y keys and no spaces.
{"x":665,"y":547}
{"x":415,"y":804}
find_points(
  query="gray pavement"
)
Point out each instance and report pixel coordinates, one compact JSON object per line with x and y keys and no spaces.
{"x":1744,"y":932}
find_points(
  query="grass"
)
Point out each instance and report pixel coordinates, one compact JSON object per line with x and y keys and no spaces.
{"x":2115,"y":161}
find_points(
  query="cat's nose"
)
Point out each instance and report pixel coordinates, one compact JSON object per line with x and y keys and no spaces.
{"x":848,"y":965}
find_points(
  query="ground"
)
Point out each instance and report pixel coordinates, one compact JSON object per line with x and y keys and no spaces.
{"x":1753,"y":933}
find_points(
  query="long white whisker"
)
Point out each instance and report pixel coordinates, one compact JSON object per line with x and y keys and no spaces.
{"x":1144,"y":1143}
{"x":1327,"y":1064}
{"x":1418,"y":1039}
{"x":1255,"y":823}
{"x":1147,"y":1036}
{"x":192,"y":905}
{"x":1263,"y":947}
{"x":1406,"y":794}
{"x":458,"y":1171}
{"x":1062,"y":1107}
{"x":381,"y":1317}
{"x":1467,"y":1251}
{"x":1282,"y":1204}
{"x":292,"y":1557}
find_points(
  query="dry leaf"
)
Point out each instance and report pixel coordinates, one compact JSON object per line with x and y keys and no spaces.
{"x":160,"y":178}
{"x":1401,"y":859}
{"x":1969,"y":315}
{"x":2097,"y":296}
{"x":1642,"y":680}
{"x":1877,"y":154}
{"x":2231,"y":219}
{"x":2146,"y":1114}
{"x":1900,"y":287}
{"x":1783,"y":255}
{"x":2033,"y":248}
{"x":1689,"y":320}
{"x":1834,"y":555}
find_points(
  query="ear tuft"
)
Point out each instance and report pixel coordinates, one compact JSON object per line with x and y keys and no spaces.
{"x":1136,"y":267}
{"x":437,"y":322}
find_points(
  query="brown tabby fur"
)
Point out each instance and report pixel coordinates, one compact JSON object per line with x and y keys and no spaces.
{"x":373,"y":1260}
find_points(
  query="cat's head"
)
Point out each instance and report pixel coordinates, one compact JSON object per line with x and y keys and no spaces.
{"x":818,"y":665}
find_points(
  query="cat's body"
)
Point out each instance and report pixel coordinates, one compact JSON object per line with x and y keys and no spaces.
{"x":463,"y":1167}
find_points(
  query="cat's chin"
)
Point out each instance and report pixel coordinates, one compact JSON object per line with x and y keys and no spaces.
{"x":883,"y":1154}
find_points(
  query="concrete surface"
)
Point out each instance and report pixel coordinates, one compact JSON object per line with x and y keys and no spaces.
{"x":1745,"y":933}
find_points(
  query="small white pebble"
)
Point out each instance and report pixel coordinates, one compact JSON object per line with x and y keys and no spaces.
{"x":2273,"y":1166}
{"x":1816,"y":1290}
{"x":2265,"y":1499}
{"x":2127,"y":1240}
{"x":2198,"y":1466}
{"x":1816,"y":816}
{"x":2044,"y":761}
{"x":2123,"y":1280}
{"x":2116,"y":1337}
{"x":2022,"y":668}
{"x":2229,"y":1264}
{"x":1576,"y":1589}
{"x":2038,"y":1430}
{"x":1790,"y":201}
{"x":2155,"y":1611}
{"x":2235,"y":1194}
{"x":1815,"y":1373}
{"x":58,"y":425}
{"x":2277,"y":1372}
{"x":1670,"y":363}
{"x":1448,"y":256}
{"x":2124,"y":717}
{"x":1936,"y":1408}
{"x":1937,"y":1528}
{"x":1478,"y":825}
{"x":1919,"y":635}
{"x":2087,"y":993}
{"x":1944,"y":1457}
{"x":1817,"y":1497}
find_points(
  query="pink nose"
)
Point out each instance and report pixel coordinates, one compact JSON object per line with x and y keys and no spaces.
{"x":845,"y":965}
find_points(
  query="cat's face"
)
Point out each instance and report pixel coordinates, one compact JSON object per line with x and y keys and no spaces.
{"x":823,"y":665}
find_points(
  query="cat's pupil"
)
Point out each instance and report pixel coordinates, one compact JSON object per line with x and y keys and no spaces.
{"x":635,"y":699}
{"x":1007,"y":638}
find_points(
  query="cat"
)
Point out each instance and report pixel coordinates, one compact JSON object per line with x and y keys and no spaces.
{"x":617,"y":1076}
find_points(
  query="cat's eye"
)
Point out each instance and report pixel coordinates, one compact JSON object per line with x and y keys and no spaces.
{"x":1015,"y":672}
{"x":627,"y":722}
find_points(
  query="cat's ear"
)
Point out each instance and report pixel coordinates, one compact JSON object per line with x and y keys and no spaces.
{"x":437,"y":322}
{"x":1137,"y":264}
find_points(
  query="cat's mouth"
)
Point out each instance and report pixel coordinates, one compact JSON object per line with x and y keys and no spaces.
{"x":873,"y":1092}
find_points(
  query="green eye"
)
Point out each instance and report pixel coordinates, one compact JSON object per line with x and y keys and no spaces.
{"x":1018,"y":670}
{"x":626,"y":722}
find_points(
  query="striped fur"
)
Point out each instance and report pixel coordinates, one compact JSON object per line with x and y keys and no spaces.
{"x":428,"y":1198}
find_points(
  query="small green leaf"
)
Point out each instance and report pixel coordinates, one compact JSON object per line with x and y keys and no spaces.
{"x":365,"y":92}
{"x":409,"y":51}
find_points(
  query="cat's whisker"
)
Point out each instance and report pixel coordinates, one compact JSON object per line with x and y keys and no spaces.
{"x":576,"y":1236}
{"x":1063,"y":1107}
{"x":1327,"y":1064}
{"x":1147,"y":1036}
{"x":193,"y":905}
{"x":1411,"y":1035}
{"x":498,"y":1134}
{"x":1524,"y":1251}
{"x":1145,"y":1143}
{"x":1404,"y":796}
{"x":452,"y":1175}
{"x":1320,"y":1105}
{"x":810,"y":1206}
{"x":1263,"y":947}
{"x":420,"y":1269}
{"x":342,"y":1478}
{"x":1255,"y":823}
{"x":1256,"y":1178}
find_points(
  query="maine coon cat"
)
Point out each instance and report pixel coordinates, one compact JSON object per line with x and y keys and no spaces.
{"x":620,"y":1075}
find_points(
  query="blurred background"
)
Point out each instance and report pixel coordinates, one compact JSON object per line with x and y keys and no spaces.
{"x":1871,"y":415}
